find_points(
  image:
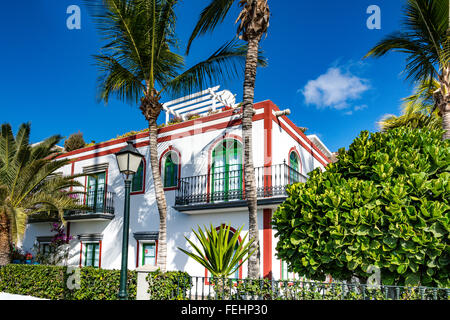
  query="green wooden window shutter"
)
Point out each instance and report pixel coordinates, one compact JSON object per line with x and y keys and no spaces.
{"x":170,"y":172}
{"x":92,"y":255}
{"x":137,"y":184}
{"x":294,"y":168}
{"x":226,"y":172}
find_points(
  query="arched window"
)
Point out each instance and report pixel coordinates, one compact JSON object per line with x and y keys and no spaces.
{"x":294,"y":167}
{"x":170,"y":170}
{"x":137,"y":184}
{"x":226,"y":171}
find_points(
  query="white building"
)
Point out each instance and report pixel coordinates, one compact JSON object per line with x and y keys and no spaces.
{"x":201,"y":166}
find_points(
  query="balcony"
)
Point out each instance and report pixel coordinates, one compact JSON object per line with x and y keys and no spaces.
{"x":100,"y":206}
{"x":226,"y":189}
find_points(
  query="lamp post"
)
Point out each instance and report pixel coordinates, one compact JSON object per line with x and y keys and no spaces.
{"x":128,"y":160}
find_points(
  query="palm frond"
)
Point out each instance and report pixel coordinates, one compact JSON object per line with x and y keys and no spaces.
{"x":226,"y":63}
{"x":27,"y":180}
{"x":423,"y":39}
{"x":210,"y":17}
{"x":418,"y":110}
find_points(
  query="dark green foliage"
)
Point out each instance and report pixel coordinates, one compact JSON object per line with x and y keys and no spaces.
{"x":74,"y":142}
{"x":50,"y":282}
{"x":103,"y":284}
{"x":384,"y":203}
{"x":265,"y":289}
{"x":172,"y":285}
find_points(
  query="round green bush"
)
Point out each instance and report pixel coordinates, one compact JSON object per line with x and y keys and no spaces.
{"x":384,"y":203}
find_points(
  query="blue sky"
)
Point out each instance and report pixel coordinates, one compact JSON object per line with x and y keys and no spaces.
{"x":314,"y":50}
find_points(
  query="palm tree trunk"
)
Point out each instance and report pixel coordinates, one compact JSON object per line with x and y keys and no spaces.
{"x":160,"y":195}
{"x":250,"y":187}
{"x":5,"y":247}
{"x":446,"y":120}
{"x":445,"y":103}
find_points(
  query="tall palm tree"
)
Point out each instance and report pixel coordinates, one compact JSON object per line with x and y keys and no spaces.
{"x":426,"y":41}
{"x":138,"y":64}
{"x":254,"y":23}
{"x":27,"y":184}
{"x":418,"y":110}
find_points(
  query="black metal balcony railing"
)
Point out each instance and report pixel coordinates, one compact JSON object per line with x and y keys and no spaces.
{"x":97,"y":201}
{"x":271,"y":181}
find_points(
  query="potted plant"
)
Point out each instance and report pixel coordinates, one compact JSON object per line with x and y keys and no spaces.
{"x":17,"y":256}
{"x":28,"y":258}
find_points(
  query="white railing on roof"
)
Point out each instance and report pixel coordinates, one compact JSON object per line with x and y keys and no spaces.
{"x":199,"y":103}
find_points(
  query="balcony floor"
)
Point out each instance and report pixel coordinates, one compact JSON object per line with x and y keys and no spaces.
{"x":227,"y":206}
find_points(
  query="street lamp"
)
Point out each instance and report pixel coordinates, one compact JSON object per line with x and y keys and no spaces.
{"x":128,"y":160}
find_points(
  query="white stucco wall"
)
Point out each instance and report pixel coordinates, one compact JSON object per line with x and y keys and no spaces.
{"x":144,"y":217}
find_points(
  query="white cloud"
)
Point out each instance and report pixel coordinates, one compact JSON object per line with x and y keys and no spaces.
{"x":361,"y":107}
{"x":335,"y":89}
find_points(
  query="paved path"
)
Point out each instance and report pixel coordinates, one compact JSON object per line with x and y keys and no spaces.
{"x":9,"y":296}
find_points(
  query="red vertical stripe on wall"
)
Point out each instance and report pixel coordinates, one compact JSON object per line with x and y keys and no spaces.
{"x":100,"y":255}
{"x":267,"y":243}
{"x":267,"y":213}
{"x":137,"y":254}
{"x":81,"y":251}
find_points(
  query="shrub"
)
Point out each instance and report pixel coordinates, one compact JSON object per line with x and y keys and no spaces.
{"x":384,"y":203}
{"x":103,"y":284}
{"x":74,"y":142}
{"x":39,"y":281}
{"x":172,"y":285}
{"x":50,"y":282}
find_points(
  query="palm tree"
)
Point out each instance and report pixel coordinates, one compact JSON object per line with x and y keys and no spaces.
{"x":254,"y":23}
{"x":27,"y":184}
{"x":426,"y":41}
{"x":418,"y":110}
{"x":138,"y":64}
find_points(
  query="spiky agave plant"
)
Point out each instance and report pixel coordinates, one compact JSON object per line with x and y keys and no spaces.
{"x":28,"y":185}
{"x":220,"y":252}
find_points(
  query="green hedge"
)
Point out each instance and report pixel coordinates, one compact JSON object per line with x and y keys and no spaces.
{"x":172,"y":285}
{"x":50,"y":282}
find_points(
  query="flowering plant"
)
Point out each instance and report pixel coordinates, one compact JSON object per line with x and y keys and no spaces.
{"x":58,"y":250}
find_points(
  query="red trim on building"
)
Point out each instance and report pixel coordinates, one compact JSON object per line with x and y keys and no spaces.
{"x":297,"y":130}
{"x":229,"y":124}
{"x":81,"y":252}
{"x":267,"y":243}
{"x":267,"y":105}
{"x":156,"y":252}
{"x":267,"y":213}
{"x":299,"y":141}
{"x":171,"y":149}
{"x":68,"y":230}
{"x":100,"y":254}
{"x":137,"y":253}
